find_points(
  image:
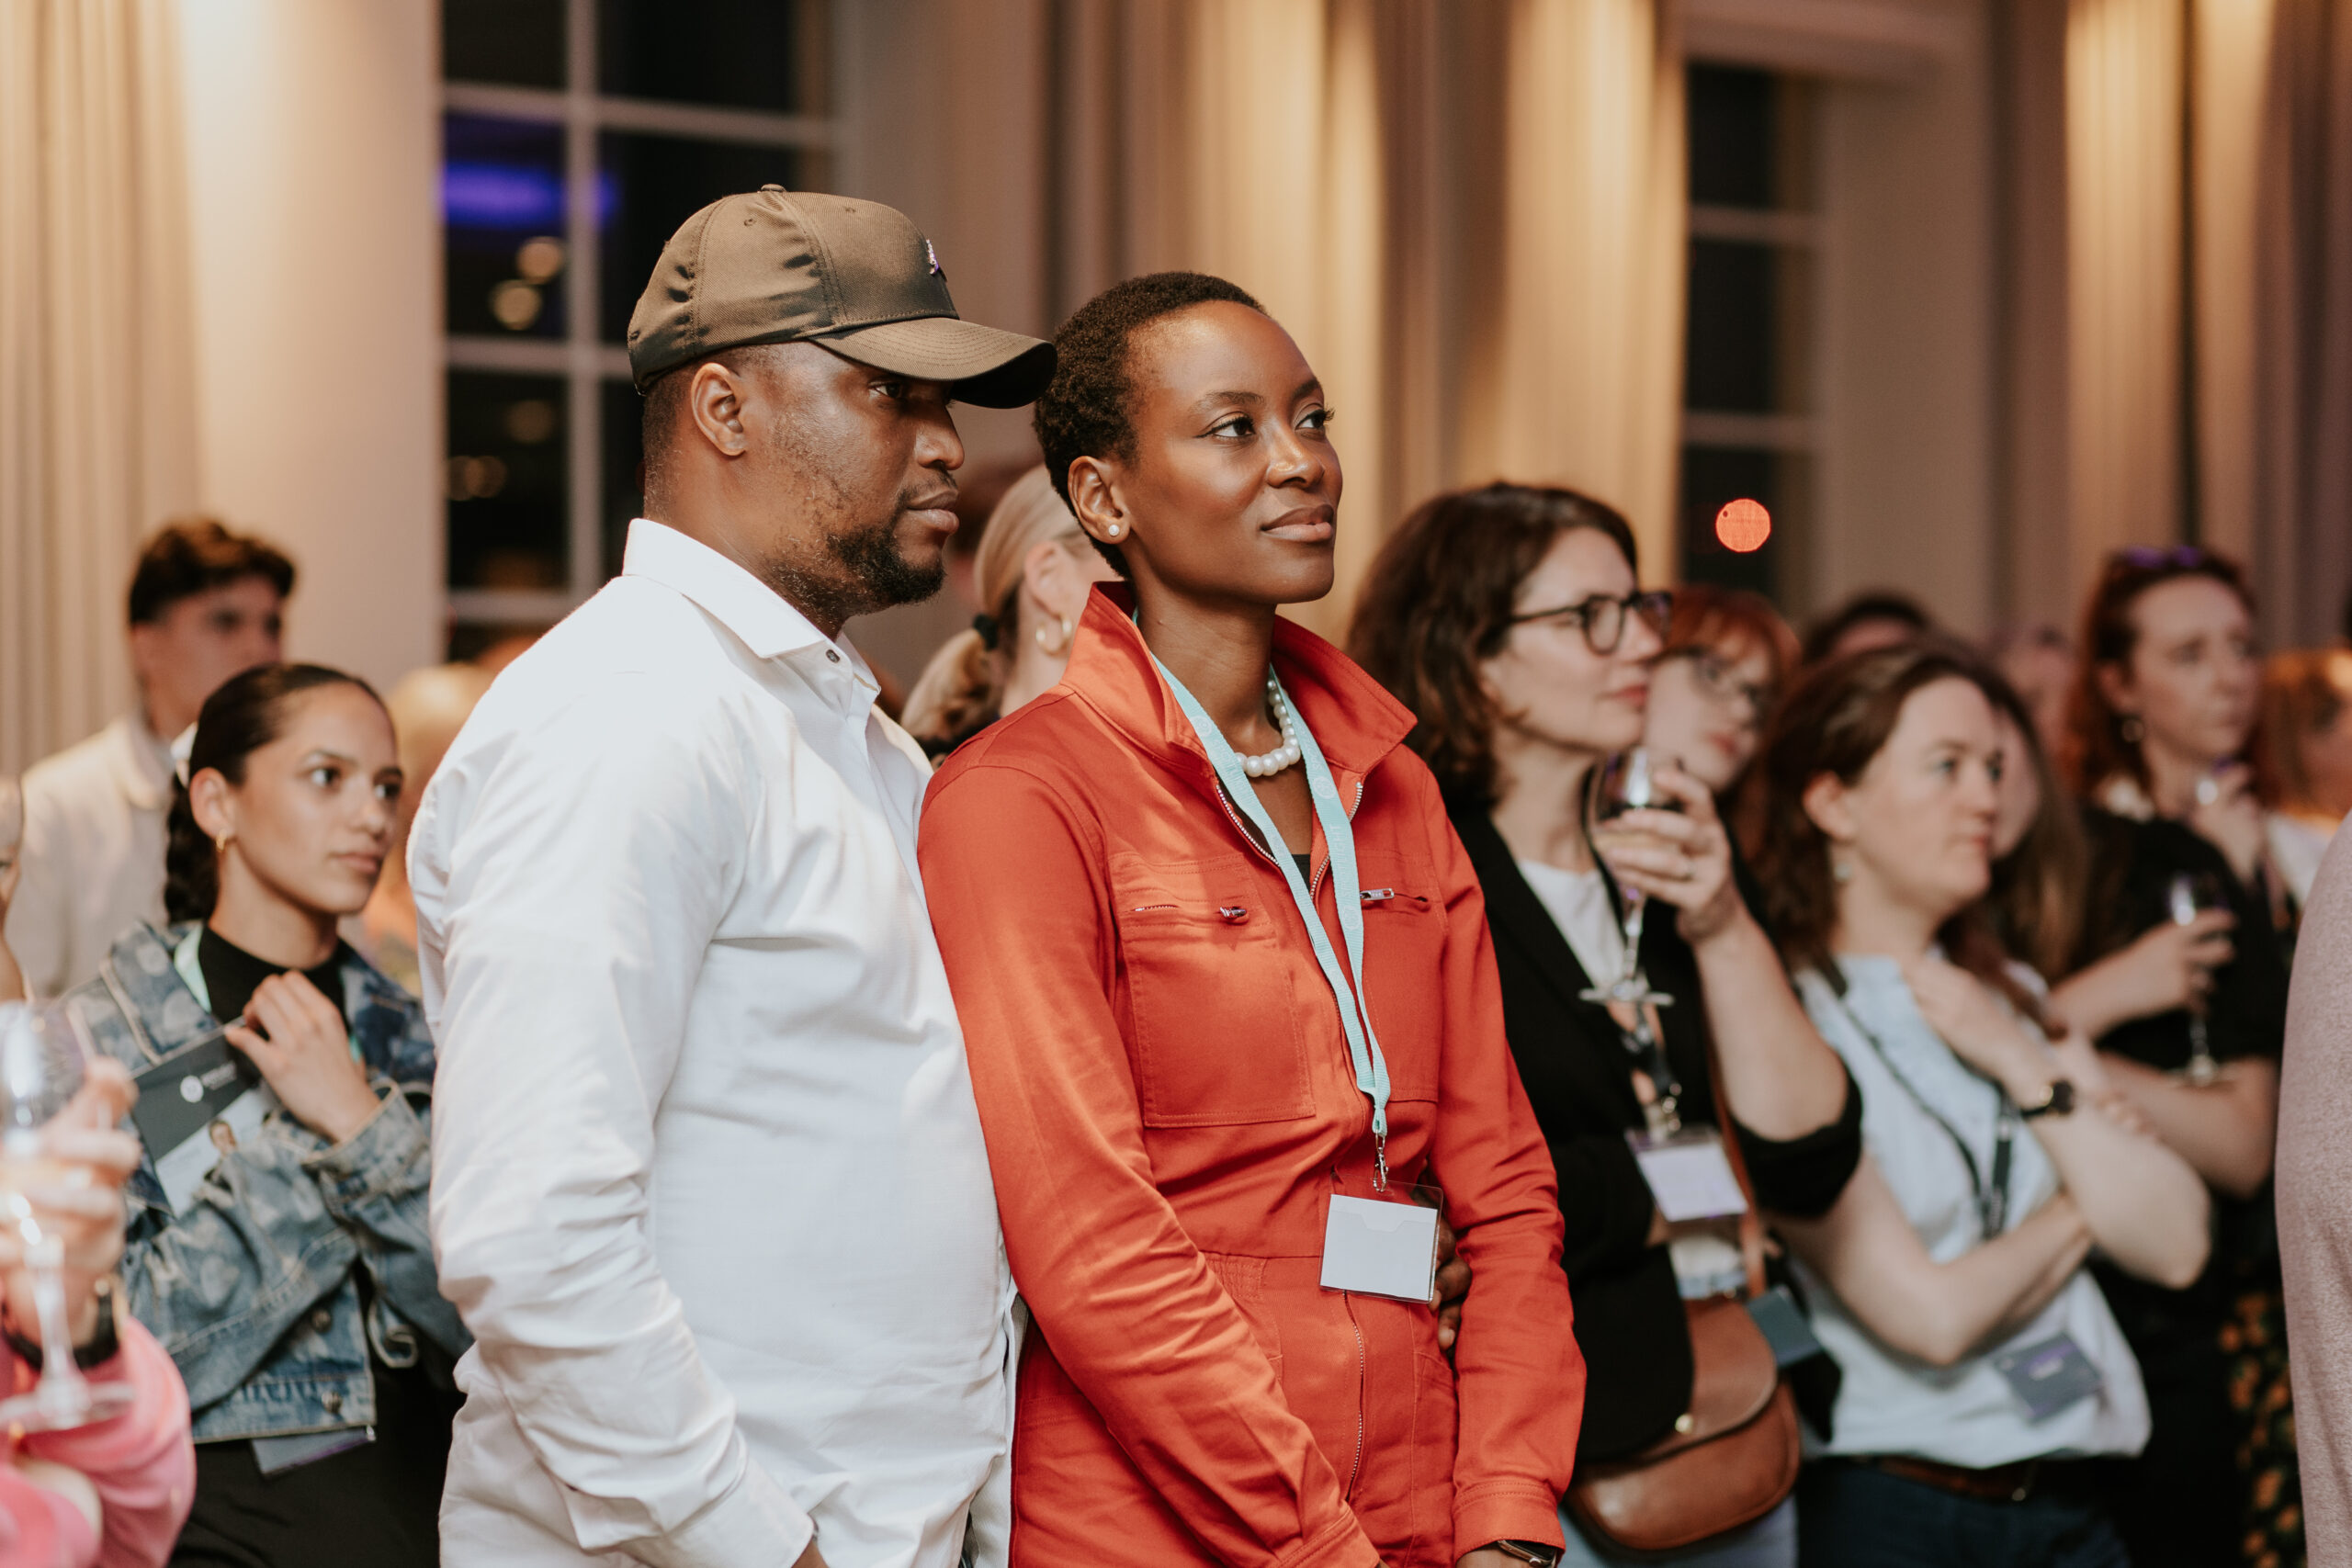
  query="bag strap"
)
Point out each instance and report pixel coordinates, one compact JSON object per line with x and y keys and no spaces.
{"x":1752,"y":1222}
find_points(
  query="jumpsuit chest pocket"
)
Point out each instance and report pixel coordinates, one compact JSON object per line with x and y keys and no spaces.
{"x":1404,"y":970}
{"x":1214,"y":1029}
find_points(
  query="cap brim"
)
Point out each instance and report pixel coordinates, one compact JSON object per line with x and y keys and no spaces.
{"x":995,"y":369}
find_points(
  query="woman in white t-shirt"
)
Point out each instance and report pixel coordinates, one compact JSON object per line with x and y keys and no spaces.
{"x":1981,"y":1365}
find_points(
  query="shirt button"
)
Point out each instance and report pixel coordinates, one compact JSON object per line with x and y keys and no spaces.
{"x":333,"y":1401}
{"x":833,"y":655}
{"x":322,"y":1320}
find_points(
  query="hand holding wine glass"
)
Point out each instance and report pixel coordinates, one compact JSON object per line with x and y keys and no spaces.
{"x":1625,"y":785}
{"x":49,"y":1085}
{"x":2189,"y":897}
{"x":1676,"y":849}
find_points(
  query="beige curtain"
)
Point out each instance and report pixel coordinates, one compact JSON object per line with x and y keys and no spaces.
{"x":96,"y":424}
{"x":2123,"y":169}
{"x":1470,"y":217}
{"x":2302,"y":329}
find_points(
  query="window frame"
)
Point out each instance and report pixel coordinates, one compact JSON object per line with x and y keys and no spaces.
{"x":580,"y":358}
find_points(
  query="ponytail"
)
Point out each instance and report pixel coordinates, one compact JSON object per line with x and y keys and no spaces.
{"x":958,"y":687}
{"x":247,"y":713}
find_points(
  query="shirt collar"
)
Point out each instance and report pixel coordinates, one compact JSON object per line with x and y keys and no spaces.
{"x":758,"y":616}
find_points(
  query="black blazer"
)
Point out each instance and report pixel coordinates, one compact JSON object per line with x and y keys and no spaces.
{"x":1629,"y":1317}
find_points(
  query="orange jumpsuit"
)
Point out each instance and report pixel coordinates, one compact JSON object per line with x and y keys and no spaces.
{"x":1168,"y":1106}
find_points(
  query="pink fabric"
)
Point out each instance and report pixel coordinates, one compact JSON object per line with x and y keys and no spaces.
{"x":142,"y":1464}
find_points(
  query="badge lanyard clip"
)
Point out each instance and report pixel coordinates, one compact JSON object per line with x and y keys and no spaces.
{"x":1339,"y":834}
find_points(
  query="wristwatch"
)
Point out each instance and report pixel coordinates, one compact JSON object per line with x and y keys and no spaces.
{"x":1528,"y":1552}
{"x":2059,"y":1101}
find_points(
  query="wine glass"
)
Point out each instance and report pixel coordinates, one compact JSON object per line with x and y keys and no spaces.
{"x":41,"y":1057}
{"x":1625,"y":785}
{"x":2188,"y":894}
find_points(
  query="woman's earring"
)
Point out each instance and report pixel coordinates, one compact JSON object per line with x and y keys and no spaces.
{"x":1054,"y":649}
{"x":2132,"y":729}
{"x":1842,"y":872}
{"x":1112,"y":529}
{"x":220,"y":845}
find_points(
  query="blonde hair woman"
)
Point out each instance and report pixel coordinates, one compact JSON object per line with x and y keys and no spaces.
{"x":1034,"y":569}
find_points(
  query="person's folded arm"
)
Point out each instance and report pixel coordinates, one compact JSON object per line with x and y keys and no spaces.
{"x":568,"y":915}
{"x":1519,"y":1374}
{"x":1116,"y":1286}
{"x":1805,"y":1175}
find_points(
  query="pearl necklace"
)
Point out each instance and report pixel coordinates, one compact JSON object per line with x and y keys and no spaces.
{"x":1266,"y":764}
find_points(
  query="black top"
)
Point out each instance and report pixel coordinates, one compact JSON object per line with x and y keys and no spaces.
{"x":1629,"y":1317}
{"x":232,"y":975}
{"x":375,"y":1505}
{"x":2132,"y":865}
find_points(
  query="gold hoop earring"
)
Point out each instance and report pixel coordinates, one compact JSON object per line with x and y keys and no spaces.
{"x":220,"y":845}
{"x":1054,"y":649}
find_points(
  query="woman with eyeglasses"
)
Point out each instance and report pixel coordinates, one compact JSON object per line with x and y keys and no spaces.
{"x":2183,"y":986}
{"x":1511,"y":621}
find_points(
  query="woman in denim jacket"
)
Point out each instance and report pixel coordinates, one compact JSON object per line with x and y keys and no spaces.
{"x":293,"y":1282}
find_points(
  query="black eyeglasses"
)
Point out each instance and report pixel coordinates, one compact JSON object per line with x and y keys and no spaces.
{"x":1602,"y":618}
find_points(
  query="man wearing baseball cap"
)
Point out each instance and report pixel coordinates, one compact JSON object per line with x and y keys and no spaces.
{"x":708,"y":1186}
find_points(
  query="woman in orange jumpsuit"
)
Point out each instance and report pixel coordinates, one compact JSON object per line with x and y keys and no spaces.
{"x":1173,"y":1076}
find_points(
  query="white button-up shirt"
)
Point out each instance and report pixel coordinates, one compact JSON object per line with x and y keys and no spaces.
{"x":708,"y":1185}
{"x":93,"y":854}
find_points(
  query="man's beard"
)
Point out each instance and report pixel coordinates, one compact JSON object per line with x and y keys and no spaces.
{"x":874,"y":574}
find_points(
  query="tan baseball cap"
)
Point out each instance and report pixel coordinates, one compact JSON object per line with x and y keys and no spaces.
{"x":775,"y":265}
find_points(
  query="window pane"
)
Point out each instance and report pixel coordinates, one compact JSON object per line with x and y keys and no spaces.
{"x":623,"y":469}
{"x":752,"y":54}
{"x":1782,"y":482}
{"x":1734,"y":350}
{"x":516,"y":41}
{"x":506,"y":478}
{"x":649,"y":185}
{"x":502,"y":213}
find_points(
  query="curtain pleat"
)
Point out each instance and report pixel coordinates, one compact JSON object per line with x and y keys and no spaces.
{"x":97,"y":431}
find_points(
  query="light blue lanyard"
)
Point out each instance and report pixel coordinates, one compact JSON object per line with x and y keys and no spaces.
{"x":1363,"y":1048}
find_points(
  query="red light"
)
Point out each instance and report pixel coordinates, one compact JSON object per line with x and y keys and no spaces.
{"x":1743,"y":525}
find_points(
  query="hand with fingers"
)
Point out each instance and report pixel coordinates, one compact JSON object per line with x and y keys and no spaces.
{"x":297,"y":1039}
{"x":1970,"y":1018}
{"x":86,"y":1159}
{"x":1452,"y":1287}
{"x":1679,"y":856}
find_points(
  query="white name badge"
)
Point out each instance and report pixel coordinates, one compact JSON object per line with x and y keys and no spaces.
{"x":1380,"y":1249}
{"x":1688,"y":1174}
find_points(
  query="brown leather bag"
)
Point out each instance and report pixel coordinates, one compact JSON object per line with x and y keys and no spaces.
{"x":1733,"y":1456}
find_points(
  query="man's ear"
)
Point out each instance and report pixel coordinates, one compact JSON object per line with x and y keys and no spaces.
{"x":1826,"y":802}
{"x":715,"y":401}
{"x":1094,"y":499}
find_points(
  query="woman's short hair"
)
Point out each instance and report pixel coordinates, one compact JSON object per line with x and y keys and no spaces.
{"x":1088,"y":409}
{"x":2096,"y":747}
{"x":244,"y":715}
{"x":965,"y":680}
{"x":2303,"y":694}
{"x":1835,"y":720}
{"x":1438,"y":603}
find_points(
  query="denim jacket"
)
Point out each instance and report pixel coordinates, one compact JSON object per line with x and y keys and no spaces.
{"x":255,"y":1288}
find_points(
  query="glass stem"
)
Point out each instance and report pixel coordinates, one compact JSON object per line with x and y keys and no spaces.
{"x":1635,"y":903}
{"x":63,"y":1394}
